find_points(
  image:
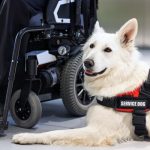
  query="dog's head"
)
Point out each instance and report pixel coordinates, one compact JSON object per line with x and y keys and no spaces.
{"x":106,"y":52}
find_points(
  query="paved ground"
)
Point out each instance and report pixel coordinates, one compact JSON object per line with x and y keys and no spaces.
{"x":55,"y":117}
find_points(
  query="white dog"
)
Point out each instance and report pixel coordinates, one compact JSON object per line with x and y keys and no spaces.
{"x":116,"y":69}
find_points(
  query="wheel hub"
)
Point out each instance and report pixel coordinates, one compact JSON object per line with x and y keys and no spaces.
{"x":22,"y":113}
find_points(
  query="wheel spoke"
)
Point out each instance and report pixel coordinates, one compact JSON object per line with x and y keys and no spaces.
{"x":80,"y":92}
{"x":84,"y":98}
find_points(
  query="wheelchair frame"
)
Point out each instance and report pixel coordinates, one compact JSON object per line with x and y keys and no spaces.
{"x":15,"y":56}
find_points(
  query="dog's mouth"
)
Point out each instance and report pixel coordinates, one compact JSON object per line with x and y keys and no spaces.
{"x":93,"y":74}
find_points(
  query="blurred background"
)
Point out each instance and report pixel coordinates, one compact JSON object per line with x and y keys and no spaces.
{"x":113,"y":14}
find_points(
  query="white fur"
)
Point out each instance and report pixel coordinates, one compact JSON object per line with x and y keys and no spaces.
{"x":124,"y":73}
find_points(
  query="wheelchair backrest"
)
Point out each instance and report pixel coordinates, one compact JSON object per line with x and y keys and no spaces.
{"x":59,"y":11}
{"x":72,"y":13}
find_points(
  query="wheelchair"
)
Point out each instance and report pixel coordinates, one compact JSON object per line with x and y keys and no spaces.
{"x":47,"y":62}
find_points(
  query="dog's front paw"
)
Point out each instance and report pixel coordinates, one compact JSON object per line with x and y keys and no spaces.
{"x":23,"y":138}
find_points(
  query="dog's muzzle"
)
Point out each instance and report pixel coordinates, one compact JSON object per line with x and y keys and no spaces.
{"x":93,"y":74}
{"x":89,"y":64}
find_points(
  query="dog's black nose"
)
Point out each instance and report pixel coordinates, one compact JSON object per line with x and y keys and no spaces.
{"x":88,"y":63}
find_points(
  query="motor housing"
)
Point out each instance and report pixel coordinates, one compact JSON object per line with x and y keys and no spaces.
{"x":49,"y":77}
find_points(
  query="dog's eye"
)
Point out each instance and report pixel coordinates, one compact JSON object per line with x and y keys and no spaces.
{"x":107,"y":50}
{"x":92,"y":45}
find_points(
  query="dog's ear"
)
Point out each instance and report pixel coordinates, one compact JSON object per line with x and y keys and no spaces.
{"x":128,"y":32}
{"x":97,"y":28}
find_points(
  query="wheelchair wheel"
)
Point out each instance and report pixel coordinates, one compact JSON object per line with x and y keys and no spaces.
{"x":75,"y":98}
{"x":28,"y":116}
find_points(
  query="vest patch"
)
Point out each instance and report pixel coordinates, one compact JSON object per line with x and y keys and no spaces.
{"x":134,"y":103}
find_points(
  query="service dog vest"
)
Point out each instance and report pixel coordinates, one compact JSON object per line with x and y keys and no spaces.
{"x":136,"y":102}
{"x":135,"y":93}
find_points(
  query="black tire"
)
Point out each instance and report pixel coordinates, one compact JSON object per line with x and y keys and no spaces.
{"x":70,"y":86}
{"x":28,"y":117}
